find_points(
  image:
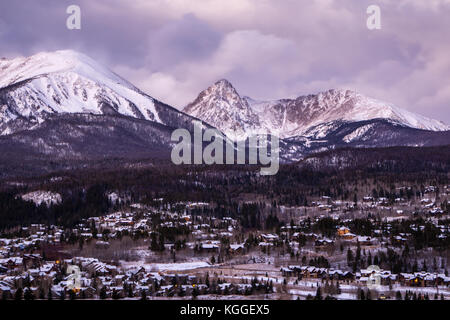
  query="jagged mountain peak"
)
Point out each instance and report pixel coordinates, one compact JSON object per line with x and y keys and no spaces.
{"x":224,"y":90}
{"x":221,"y":106}
{"x":223,"y":83}
{"x":66,"y":104}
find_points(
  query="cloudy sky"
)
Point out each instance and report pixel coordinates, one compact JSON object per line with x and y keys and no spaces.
{"x":268,"y":49}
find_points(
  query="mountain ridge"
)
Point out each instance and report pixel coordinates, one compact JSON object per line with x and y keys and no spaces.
{"x":63,"y":106}
{"x":294,"y":117}
{"x":65,"y":82}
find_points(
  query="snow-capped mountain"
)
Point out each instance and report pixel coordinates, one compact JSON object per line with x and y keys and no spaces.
{"x":313,"y":115}
{"x":65,"y":82}
{"x":374,"y":133}
{"x":62,"y":109}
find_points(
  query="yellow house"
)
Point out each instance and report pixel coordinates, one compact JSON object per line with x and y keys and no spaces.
{"x":343,"y":231}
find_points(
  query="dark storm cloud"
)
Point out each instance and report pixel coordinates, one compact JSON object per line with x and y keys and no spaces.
{"x":185,"y":39}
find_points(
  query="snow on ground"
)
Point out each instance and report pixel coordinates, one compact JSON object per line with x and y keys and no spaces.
{"x":303,"y":293}
{"x":180,"y":266}
{"x":346,"y":296}
{"x":357,"y":133}
{"x":40,"y":196}
{"x":424,"y":290}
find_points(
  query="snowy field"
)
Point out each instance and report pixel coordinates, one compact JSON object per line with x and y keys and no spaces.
{"x":182,"y":266}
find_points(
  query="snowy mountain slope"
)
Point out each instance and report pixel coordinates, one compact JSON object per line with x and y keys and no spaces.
{"x":222,"y":107}
{"x":86,"y":136}
{"x":359,"y":134}
{"x":63,"y":106}
{"x":65,"y":82}
{"x":70,"y":141}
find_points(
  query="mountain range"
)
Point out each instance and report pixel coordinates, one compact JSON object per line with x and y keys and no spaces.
{"x":64,"y":105}
{"x":221,"y":106}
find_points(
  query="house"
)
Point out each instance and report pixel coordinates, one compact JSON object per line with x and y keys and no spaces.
{"x":348,"y":236}
{"x":417,"y":279}
{"x":117,"y":292}
{"x":3,"y":270}
{"x":237,"y":248}
{"x":210,"y":247}
{"x":343,"y":231}
{"x":399,"y":240}
{"x":265,"y":244}
{"x":102,"y":244}
{"x":386,"y":278}
{"x":5,"y":290}
{"x":287,"y":272}
{"x":333,"y":274}
{"x":270,"y":237}
{"x":87,"y":292}
{"x":365,"y":241}
{"x":310,"y":272}
{"x":242,"y":288}
{"x":12,"y":263}
{"x":323,"y":242}
{"x":223,"y":287}
{"x":136,"y":274}
{"x":32,"y":260}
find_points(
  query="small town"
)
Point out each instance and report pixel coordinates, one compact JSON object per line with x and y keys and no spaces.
{"x":395,"y":249}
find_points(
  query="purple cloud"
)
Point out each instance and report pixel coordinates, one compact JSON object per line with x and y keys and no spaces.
{"x":267,"y":49}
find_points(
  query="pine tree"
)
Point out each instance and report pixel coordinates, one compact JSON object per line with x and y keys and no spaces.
{"x":102,"y":293}
{"x":318,"y":294}
{"x":143,"y":295}
{"x":41,"y":293}
{"x":361,"y":294}
{"x":18,"y":295}
{"x":349,"y":257}
{"x":195,"y":293}
{"x":115,"y":294}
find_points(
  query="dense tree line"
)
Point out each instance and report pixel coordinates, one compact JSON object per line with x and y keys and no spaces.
{"x":75,"y":205}
{"x":375,"y":172}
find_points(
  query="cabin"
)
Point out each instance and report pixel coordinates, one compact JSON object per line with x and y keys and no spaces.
{"x":365,"y":241}
{"x":210,"y":247}
{"x":348,"y":236}
{"x":323,"y":242}
{"x":237,"y":248}
{"x":343,"y":231}
{"x":5,"y":290}
{"x":287,"y":272}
